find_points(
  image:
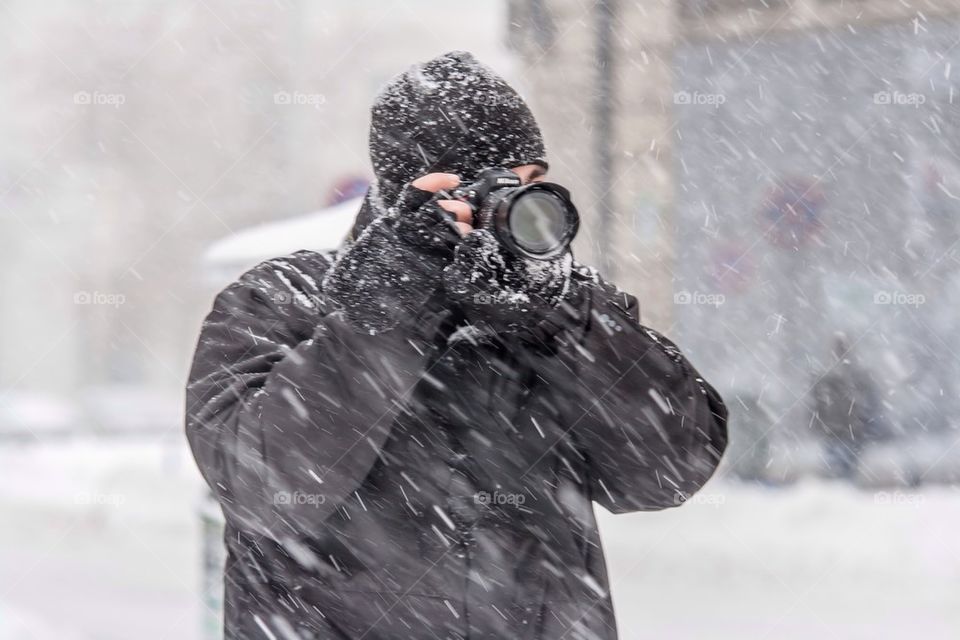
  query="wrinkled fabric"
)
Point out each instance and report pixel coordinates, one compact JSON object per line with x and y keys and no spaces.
{"x":390,"y":461}
{"x":371,"y":484}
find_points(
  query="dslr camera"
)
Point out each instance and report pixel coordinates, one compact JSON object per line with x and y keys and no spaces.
{"x":537,"y":220}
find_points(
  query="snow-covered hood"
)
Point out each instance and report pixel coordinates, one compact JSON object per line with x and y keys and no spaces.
{"x":450,"y":113}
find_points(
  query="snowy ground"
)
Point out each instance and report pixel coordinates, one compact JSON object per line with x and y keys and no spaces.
{"x":816,"y":560}
{"x":101,"y":541}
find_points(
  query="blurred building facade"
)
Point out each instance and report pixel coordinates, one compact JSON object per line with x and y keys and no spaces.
{"x":782,"y":173}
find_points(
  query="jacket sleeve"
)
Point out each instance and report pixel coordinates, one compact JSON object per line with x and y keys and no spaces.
{"x":287,"y":406}
{"x":651,"y":429}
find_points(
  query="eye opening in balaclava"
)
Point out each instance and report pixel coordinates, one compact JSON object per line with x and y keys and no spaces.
{"x":450,"y":114}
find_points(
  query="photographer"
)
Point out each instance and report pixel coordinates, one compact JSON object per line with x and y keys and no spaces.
{"x":443,"y":404}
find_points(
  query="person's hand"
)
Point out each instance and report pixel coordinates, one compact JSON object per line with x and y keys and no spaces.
{"x":391,"y":270}
{"x":459,"y":211}
{"x":501,"y":290}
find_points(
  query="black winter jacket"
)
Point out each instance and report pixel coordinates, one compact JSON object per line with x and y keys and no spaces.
{"x":427,"y":483}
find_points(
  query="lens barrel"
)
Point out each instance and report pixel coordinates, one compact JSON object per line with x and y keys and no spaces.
{"x":537,"y":221}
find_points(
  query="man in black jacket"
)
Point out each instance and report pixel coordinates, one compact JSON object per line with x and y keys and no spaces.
{"x":406,"y":437}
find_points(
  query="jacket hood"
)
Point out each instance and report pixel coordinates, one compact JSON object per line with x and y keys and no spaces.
{"x":450,"y":114}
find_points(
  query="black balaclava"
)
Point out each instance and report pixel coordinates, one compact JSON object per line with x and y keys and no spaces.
{"x":450,"y":114}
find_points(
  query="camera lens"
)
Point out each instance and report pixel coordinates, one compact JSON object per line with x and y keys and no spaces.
{"x":539,"y":221}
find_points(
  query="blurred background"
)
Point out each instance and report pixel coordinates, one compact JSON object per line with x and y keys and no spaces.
{"x":778,"y":181}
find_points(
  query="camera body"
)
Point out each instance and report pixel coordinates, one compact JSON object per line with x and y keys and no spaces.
{"x":537,"y":220}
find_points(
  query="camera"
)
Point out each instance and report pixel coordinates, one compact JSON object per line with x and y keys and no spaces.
{"x":536,"y":220}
